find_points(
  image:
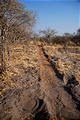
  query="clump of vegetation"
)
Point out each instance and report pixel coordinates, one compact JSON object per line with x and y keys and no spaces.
{"x":49,"y":36}
{"x":76,"y":38}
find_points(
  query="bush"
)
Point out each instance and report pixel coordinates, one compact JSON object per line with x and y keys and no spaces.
{"x":76,"y":39}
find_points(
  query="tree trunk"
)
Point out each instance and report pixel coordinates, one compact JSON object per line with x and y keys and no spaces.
{"x":2,"y":50}
{"x":2,"y":47}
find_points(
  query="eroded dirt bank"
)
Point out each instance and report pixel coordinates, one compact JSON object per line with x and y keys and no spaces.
{"x":32,"y":88}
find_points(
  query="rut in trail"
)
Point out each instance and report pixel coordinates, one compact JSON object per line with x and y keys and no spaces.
{"x":60,"y":103}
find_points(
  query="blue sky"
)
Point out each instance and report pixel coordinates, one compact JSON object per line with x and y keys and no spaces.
{"x":61,"y":15}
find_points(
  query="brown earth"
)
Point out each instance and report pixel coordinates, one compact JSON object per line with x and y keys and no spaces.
{"x":33,"y":87}
{"x":60,"y":103}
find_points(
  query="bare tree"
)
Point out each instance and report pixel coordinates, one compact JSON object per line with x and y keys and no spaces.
{"x":48,"y":33}
{"x":14,"y":19}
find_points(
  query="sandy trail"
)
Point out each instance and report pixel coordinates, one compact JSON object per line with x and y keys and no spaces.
{"x":40,"y":93}
{"x":59,"y":103}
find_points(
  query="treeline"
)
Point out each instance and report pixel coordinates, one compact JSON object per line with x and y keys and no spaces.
{"x":66,"y":40}
{"x":49,"y":36}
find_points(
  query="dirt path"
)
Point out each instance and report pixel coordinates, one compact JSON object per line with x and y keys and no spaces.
{"x":39,"y":92}
{"x":59,"y":103}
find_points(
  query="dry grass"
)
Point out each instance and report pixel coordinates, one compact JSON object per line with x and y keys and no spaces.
{"x":21,"y":58}
{"x":67,"y":60}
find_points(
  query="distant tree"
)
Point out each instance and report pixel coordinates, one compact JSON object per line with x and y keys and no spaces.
{"x":35,"y":35}
{"x":13,"y":19}
{"x":48,"y":33}
{"x":67,"y":34}
{"x":74,"y":34}
{"x":78,"y":31}
{"x":76,"y":38}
